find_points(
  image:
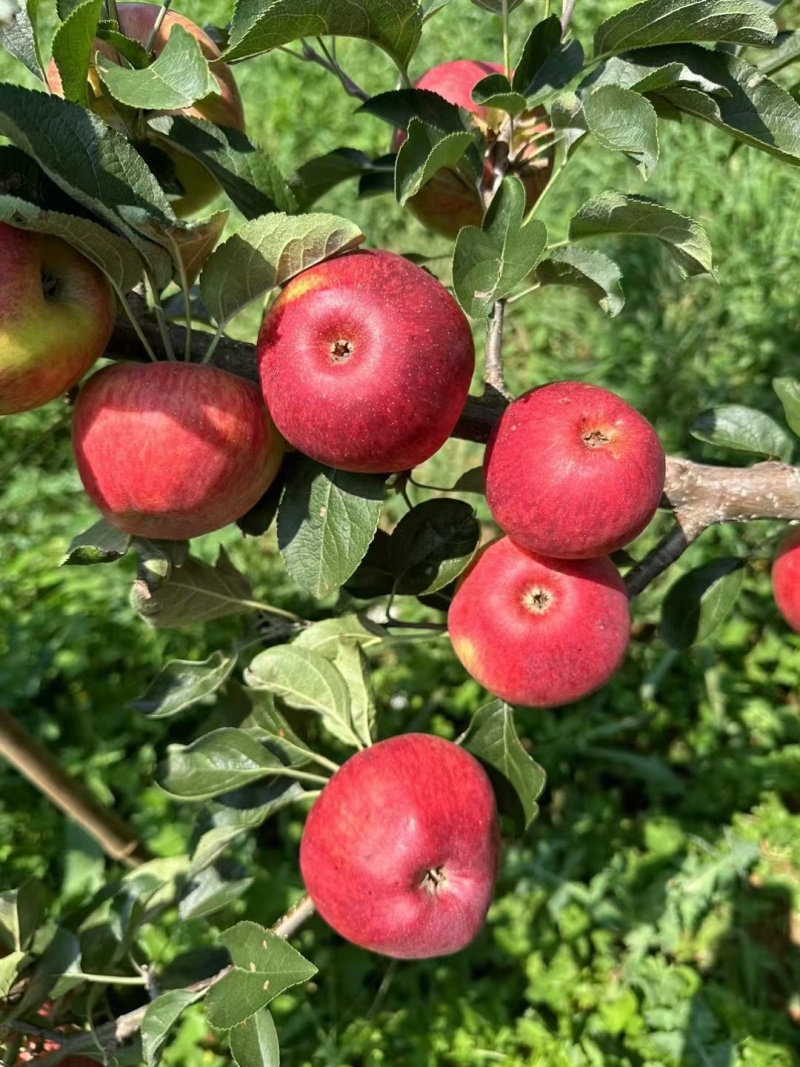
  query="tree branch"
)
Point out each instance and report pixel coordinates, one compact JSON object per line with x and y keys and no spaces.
{"x":40,"y":767}
{"x":493,"y":369}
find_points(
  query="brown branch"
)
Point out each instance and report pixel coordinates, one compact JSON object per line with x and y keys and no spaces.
{"x":42,"y":769}
{"x":493,"y":368}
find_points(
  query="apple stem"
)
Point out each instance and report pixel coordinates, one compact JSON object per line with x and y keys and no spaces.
{"x":135,"y":323}
{"x":212,"y":346}
{"x":566,"y":14}
{"x":157,"y":24}
{"x":161,"y":320}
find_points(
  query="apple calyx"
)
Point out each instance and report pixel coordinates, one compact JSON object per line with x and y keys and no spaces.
{"x":433,"y":879}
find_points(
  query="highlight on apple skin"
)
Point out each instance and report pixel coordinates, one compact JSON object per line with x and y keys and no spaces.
{"x":572,"y":471}
{"x":449,"y":201}
{"x":539,"y":632}
{"x":365,"y":362}
{"x":222,"y":107}
{"x":786,"y":579}
{"x":173,"y":450}
{"x":56,"y":318}
{"x":401,"y":850}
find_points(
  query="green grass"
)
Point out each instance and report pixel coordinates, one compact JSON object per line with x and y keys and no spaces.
{"x":651,"y":916}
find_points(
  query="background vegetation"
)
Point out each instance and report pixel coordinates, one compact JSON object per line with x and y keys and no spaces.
{"x":652,"y":916}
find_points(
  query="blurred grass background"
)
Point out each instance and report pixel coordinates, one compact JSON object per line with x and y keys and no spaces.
{"x":651,"y":917}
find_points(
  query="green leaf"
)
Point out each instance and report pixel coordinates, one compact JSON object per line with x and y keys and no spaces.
{"x":273,"y":731}
{"x":20,"y":35}
{"x":160,"y":1016}
{"x":191,"y":244}
{"x":492,"y":738}
{"x":399,"y":106}
{"x":61,"y":957}
{"x":651,"y":70}
{"x":586,"y":269}
{"x":568,"y":121}
{"x":326,"y":521}
{"x":319,"y":175}
{"x":306,"y":680}
{"x":215,"y":763}
{"x":373,"y":576}
{"x":788,"y":390}
{"x":182,"y":683}
{"x":785,"y":50}
{"x":177,"y":78}
{"x":495,"y":91}
{"x":546,"y":64}
{"x":325,"y":636}
{"x":131,"y":50}
{"x":744,"y":429}
{"x":471,"y":481}
{"x":618,"y":213}
{"x":489,"y":263}
{"x":246,"y":172}
{"x":353,"y":665}
{"x":9,"y":969}
{"x":658,"y":22}
{"x":264,"y":967}
{"x":267,"y":252}
{"x":425,"y":151}
{"x":101,"y":543}
{"x":624,"y":121}
{"x":254,"y":1042}
{"x":209,"y":893}
{"x":195,"y":592}
{"x":393,"y":25}
{"x":432,"y":544}
{"x":72,"y":48}
{"x":699,"y":601}
{"x":21,"y":912}
{"x":158,"y":559}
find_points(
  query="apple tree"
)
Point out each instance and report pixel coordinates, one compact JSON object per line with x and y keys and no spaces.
{"x":309,"y":435}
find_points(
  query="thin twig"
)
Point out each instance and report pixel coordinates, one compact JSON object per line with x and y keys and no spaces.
{"x":566,"y":14}
{"x":308,"y":55}
{"x":157,"y":24}
{"x":493,"y":369}
{"x":668,"y":549}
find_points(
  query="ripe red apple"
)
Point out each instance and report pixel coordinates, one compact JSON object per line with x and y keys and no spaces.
{"x":449,"y":201}
{"x":365,"y":362}
{"x":400,"y":851}
{"x":173,"y":450}
{"x":223,"y":107}
{"x":56,"y":318}
{"x":572,"y":471}
{"x":786,"y":578}
{"x":539,"y":632}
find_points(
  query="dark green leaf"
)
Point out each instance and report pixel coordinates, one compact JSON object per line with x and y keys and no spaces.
{"x":72,"y":48}
{"x":215,"y":763}
{"x":131,"y":50}
{"x":177,"y":78}
{"x":471,"y":481}
{"x":658,"y":22}
{"x":209,"y":893}
{"x":623,"y":121}
{"x":326,"y":521}
{"x":158,"y":559}
{"x":19,"y":37}
{"x":159,"y":1018}
{"x":264,"y":966}
{"x":325,"y":636}
{"x":651,"y":70}
{"x":699,"y":601}
{"x":788,"y":390}
{"x":246,"y":172}
{"x":195,"y":592}
{"x":10,"y":966}
{"x":267,"y":252}
{"x":785,"y":50}
{"x":21,"y":913}
{"x":492,"y":738}
{"x":425,"y":151}
{"x":432,"y":544}
{"x":618,"y":213}
{"x":586,"y":269}
{"x":399,"y":106}
{"x":393,"y":25}
{"x":273,"y":731}
{"x":495,"y":91}
{"x":744,"y":429}
{"x":306,"y":680}
{"x":489,"y":263}
{"x":568,"y":120}
{"x":61,"y":957}
{"x":101,"y":543}
{"x":182,"y":683}
{"x":373,"y":576}
{"x":319,"y":175}
{"x":254,"y":1042}
{"x":546,"y":64}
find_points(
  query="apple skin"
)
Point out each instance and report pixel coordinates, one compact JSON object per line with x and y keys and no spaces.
{"x":223,"y":107}
{"x":365,"y":362}
{"x":56,"y":317}
{"x":572,"y":471}
{"x":173,"y":450}
{"x":448,"y":201}
{"x":786,"y":579}
{"x":401,"y":850}
{"x":539,"y":632}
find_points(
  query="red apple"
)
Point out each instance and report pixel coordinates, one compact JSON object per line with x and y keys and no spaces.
{"x":56,"y":318}
{"x":223,"y":107}
{"x":365,"y":362}
{"x":572,"y":471}
{"x":173,"y":450}
{"x":449,"y":200}
{"x":786,"y":578}
{"x":539,"y":632}
{"x":400,"y":851}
